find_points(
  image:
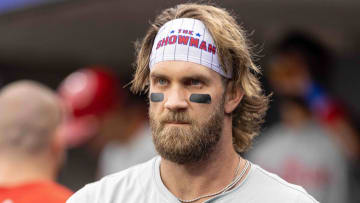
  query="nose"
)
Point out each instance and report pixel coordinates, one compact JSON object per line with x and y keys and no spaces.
{"x":175,"y":100}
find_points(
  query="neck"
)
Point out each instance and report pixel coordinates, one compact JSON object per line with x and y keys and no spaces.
{"x":19,"y":171}
{"x":188,"y":181}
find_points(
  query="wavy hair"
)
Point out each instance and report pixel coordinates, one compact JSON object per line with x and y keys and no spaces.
{"x":235,"y":56}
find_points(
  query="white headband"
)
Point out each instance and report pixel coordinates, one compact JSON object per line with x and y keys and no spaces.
{"x":186,"y":39}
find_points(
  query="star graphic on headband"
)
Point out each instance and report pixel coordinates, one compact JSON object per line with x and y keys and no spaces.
{"x":198,"y":34}
{"x":172,"y":31}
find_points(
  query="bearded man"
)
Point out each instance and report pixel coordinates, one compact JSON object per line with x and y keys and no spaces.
{"x":206,"y":105}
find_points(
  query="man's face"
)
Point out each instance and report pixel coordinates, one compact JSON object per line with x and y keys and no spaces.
{"x":289,"y":75}
{"x":185,"y":131}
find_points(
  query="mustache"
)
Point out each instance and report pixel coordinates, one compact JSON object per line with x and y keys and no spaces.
{"x":178,"y":117}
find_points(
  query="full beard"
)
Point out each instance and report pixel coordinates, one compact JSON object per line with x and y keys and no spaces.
{"x":189,"y":143}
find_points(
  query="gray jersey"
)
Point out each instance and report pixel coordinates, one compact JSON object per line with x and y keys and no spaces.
{"x":142,"y":183}
{"x":305,"y":156}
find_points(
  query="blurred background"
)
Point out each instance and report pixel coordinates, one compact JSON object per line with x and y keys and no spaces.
{"x":312,"y":47}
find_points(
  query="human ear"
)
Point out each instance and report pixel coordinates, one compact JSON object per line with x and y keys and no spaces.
{"x":233,"y":97}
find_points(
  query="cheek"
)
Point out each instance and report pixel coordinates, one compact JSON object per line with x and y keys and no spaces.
{"x":202,"y":112}
{"x":155,"y":107}
{"x":152,"y":112}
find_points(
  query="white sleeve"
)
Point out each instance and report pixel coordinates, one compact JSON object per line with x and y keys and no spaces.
{"x":305,"y":198}
{"x":84,"y":195}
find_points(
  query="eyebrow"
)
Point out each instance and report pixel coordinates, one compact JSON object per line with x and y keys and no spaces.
{"x":158,"y":75}
{"x":196,"y":77}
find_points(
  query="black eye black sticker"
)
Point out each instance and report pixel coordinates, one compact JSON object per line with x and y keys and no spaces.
{"x":200,"y":98}
{"x":156,"y":97}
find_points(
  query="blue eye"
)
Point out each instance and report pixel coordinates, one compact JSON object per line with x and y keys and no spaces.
{"x":195,"y":82}
{"x":162,"y":81}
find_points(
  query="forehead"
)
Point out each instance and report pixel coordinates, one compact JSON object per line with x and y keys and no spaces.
{"x":175,"y":69}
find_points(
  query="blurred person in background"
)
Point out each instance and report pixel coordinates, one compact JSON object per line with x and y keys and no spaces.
{"x":107,"y":130}
{"x":31,"y":146}
{"x":314,"y":140}
{"x":91,"y":95}
{"x":302,"y":66}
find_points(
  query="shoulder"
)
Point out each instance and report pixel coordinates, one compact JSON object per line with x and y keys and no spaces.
{"x":57,"y":191}
{"x":131,"y":180}
{"x":271,"y":186}
{"x":38,"y":191}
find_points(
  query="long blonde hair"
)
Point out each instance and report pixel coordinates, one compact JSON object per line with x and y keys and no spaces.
{"x":234,"y":54}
